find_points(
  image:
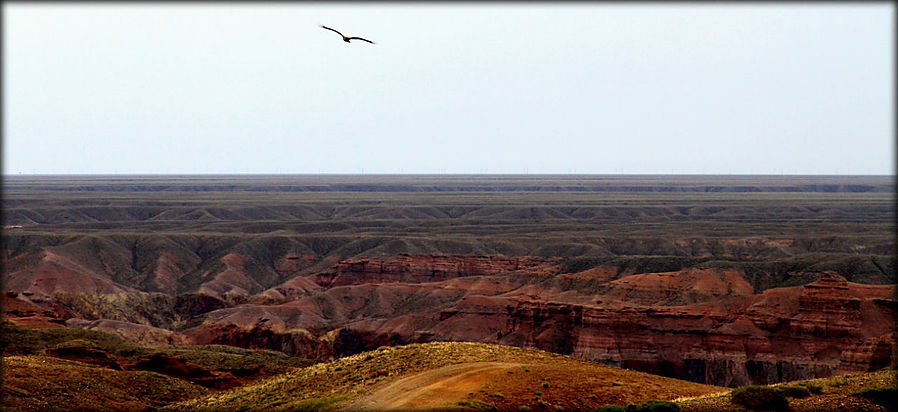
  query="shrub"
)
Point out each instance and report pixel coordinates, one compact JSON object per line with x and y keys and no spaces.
{"x":839,"y":382}
{"x":760,"y":397}
{"x":795,"y":391}
{"x":653,"y":405}
{"x":815,"y":389}
{"x":318,"y":404}
{"x":610,"y":408}
{"x":545,"y":384}
{"x":881,"y":396}
{"x":478,"y":405}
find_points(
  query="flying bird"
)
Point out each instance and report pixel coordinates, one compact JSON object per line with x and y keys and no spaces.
{"x":347,"y":39}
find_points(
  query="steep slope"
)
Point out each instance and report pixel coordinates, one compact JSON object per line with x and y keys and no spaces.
{"x":722,"y":334}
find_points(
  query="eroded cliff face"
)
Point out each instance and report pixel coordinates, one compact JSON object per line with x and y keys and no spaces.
{"x":827,"y":327}
{"x":421,"y":269}
{"x":701,"y":324}
{"x":704,"y":324}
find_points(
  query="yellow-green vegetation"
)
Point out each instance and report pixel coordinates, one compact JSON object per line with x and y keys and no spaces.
{"x":886,"y":397}
{"x":760,"y":398}
{"x":651,"y":405}
{"x":842,"y":392}
{"x":40,"y":382}
{"x":17,"y":340}
{"x":478,"y":405}
{"x":353,"y":377}
{"x":654,"y":405}
{"x":32,"y":380}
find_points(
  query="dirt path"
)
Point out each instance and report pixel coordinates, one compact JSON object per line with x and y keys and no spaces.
{"x":432,"y":388}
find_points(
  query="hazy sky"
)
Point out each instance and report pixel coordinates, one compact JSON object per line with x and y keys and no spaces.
{"x":449,"y":88}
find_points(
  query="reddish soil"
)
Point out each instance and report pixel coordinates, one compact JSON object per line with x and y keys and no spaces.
{"x":159,"y":362}
{"x":439,"y":387}
{"x":21,"y":312}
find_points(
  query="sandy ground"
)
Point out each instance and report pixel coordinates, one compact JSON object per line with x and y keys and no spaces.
{"x":442,"y":386}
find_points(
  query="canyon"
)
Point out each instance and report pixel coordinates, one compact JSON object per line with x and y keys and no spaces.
{"x":702,"y":324}
{"x":726,"y":282}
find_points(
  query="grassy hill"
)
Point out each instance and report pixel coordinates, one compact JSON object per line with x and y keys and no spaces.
{"x":37,"y":382}
{"x":245,"y":363}
{"x":108,"y":374}
{"x":471,"y":376}
{"x":442,"y":375}
{"x":451,"y":374}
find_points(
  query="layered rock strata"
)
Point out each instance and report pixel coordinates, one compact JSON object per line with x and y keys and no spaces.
{"x":706,"y":325}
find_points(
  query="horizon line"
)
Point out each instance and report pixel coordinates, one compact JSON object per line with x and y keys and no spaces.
{"x":19,"y":174}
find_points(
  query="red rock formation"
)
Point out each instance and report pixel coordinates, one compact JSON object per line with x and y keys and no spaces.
{"x":678,"y":288}
{"x":698,"y":323}
{"x":141,"y":334}
{"x":86,"y":354}
{"x":158,"y":362}
{"x":421,"y":268}
{"x":181,"y":368}
{"x":42,"y":274}
{"x":826,"y":327}
{"x":729,"y":337}
{"x":168,"y":269}
{"x":21,"y":312}
{"x":290,"y":290}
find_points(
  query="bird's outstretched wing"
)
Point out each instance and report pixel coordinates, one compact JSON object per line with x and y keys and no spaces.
{"x":359,"y":38}
{"x":325,"y":27}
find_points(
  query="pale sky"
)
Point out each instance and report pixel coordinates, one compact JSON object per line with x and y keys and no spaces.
{"x":727,"y":88}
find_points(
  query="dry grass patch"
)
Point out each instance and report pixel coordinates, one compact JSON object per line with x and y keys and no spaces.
{"x":40,"y":382}
{"x":572,"y":383}
{"x":835,"y":393}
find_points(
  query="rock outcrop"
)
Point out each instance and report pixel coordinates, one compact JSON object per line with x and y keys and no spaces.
{"x":157,"y":362}
{"x":86,"y":354}
{"x":134,"y":332}
{"x":181,"y":368}
{"x":827,"y":327}
{"x":19,"y":311}
{"x":421,"y":269}
{"x":704,"y":325}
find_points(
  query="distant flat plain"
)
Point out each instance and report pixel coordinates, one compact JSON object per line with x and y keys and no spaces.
{"x":454,"y":205}
{"x":549,"y":215}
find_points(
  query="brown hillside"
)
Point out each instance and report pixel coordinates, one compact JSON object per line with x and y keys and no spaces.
{"x":452,"y":374}
{"x":41,"y":382}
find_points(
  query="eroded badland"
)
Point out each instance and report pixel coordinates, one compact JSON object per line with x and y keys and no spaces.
{"x":713,"y":281}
